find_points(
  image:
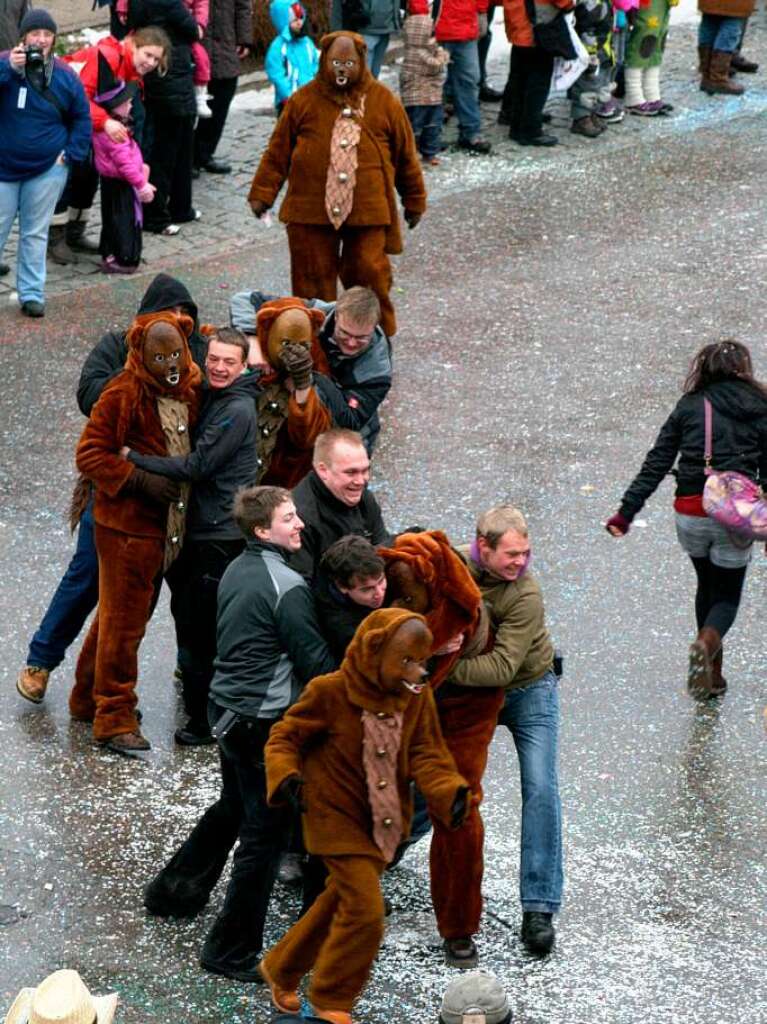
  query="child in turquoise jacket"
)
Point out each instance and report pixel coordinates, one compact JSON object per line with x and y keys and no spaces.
{"x":292,"y":58}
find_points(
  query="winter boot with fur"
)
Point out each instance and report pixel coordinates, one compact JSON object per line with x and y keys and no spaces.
{"x":718,"y":82}
{"x":58,"y":247}
{"x":703,"y":651}
{"x":201,"y":97}
{"x":76,"y":225}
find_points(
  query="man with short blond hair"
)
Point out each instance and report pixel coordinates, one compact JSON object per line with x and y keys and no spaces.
{"x":357,"y":350}
{"x":333,"y":499}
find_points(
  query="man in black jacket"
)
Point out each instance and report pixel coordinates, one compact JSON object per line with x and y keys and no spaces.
{"x":333,"y":499}
{"x":269,"y":647}
{"x":357,"y":350}
{"x":77,"y":593}
{"x":222,"y":461}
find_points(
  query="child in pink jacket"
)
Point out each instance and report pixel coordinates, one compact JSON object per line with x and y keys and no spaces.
{"x":124,"y":179}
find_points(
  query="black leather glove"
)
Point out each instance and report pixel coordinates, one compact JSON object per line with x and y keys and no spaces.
{"x":158,"y":488}
{"x":458,"y":810}
{"x":291,"y":791}
{"x":297,"y":361}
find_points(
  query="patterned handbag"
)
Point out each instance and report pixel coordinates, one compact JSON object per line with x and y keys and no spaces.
{"x":730,"y":497}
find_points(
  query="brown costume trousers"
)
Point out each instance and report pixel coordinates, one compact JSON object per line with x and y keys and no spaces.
{"x":339,"y":935}
{"x":107,"y":669}
{"x":456,"y":860}
{"x":320,"y":254}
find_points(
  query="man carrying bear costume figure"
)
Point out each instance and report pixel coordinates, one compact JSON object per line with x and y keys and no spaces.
{"x":344,"y":143}
{"x":139,"y":516}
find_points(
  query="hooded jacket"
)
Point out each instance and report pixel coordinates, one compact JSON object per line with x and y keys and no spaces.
{"x":223,"y":459}
{"x":321,"y":739}
{"x":739,"y":442}
{"x":107,"y":358}
{"x":326,"y":520}
{"x":267,"y":639}
{"x":127,"y":414}
{"x":299,"y":152}
{"x":355,"y":386}
{"x":424,"y":65}
{"x":291,"y":61}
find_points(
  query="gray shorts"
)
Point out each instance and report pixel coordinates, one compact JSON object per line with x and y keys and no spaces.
{"x":703,"y":537}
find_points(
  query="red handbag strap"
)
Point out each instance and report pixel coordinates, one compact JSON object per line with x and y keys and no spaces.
{"x":707,"y":451}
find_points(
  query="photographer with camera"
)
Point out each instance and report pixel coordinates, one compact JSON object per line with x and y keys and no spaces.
{"x":45,"y":124}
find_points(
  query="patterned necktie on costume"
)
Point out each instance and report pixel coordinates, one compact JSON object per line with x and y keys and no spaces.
{"x":342,"y":169}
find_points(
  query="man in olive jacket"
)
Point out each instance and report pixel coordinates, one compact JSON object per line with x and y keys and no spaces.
{"x":521,"y":660}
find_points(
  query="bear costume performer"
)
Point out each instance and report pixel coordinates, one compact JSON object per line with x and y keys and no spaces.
{"x":425,"y":574}
{"x":139,"y":517}
{"x":344,"y":144}
{"x":290,"y":413}
{"x":346,"y":752}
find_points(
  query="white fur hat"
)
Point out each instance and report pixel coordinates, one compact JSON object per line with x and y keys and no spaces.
{"x":62,"y":998}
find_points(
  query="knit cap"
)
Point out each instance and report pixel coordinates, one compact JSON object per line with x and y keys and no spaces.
{"x":475,"y":998}
{"x":37,"y":18}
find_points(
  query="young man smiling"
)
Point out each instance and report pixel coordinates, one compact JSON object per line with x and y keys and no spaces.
{"x":223,"y":460}
{"x":269,"y":647}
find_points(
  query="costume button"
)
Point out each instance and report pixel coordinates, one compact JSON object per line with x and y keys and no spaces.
{"x":336,"y":209}
{"x":265,"y":431}
{"x":174,"y":540}
{"x":382,"y":783}
{"x":387,"y":823}
{"x":344,"y":143}
{"x":380,"y":714}
{"x":343,"y":176}
{"x":381,"y":752}
{"x":259,"y":461}
{"x":181,"y":428}
{"x":180,"y":506}
{"x":347,"y":112}
{"x":274,"y":406}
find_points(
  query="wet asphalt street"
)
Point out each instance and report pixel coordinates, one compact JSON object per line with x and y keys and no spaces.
{"x":548,"y":309}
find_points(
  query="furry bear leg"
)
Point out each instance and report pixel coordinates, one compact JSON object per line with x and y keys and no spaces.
{"x":82,"y":705}
{"x":314,"y":261}
{"x":127,"y":568}
{"x":456,"y":858}
{"x":364,"y":262}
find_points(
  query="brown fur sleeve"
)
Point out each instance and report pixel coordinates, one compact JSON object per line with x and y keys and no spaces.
{"x":431,"y":763}
{"x":307,"y":718}
{"x":274,"y":166}
{"x":105,"y":432}
{"x":306,"y":422}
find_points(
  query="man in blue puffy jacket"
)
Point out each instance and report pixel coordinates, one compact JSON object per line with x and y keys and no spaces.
{"x":292,"y":58}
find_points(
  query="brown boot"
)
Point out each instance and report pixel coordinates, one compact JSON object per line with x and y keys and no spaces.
{"x":741,"y":63}
{"x":718,"y":682}
{"x":587,"y":127}
{"x":127,"y":743}
{"x":704,"y":63}
{"x":32,"y":683}
{"x":58,"y":250}
{"x":718,"y":80}
{"x":703,"y":650}
{"x":75,"y":236}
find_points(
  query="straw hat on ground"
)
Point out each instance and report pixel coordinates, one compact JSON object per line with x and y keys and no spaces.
{"x":61,"y":999}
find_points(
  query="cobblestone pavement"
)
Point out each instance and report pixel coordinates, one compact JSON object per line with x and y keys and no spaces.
{"x":227,"y":225}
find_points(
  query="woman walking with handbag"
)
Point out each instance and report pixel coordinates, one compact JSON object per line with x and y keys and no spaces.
{"x":721,"y":376}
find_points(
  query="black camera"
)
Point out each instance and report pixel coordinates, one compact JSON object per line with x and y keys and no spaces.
{"x":35,"y":56}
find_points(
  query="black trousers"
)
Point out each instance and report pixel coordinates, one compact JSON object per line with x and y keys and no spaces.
{"x":193,"y":580}
{"x":81,"y":187}
{"x":717,"y":597}
{"x":527,"y":90}
{"x":172,"y":141}
{"x":209,"y":129}
{"x":120,"y":234}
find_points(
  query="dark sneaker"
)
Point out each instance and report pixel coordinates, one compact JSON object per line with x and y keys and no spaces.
{"x":214,"y":166}
{"x":487,"y":94}
{"x":461,"y":953}
{"x":245,"y":974}
{"x":537,"y":931}
{"x":544,"y":139}
{"x":587,"y":127}
{"x":479,"y":146}
{"x":129,"y":744}
{"x":32,"y":308}
{"x":290,"y":870}
{"x":194,"y":734}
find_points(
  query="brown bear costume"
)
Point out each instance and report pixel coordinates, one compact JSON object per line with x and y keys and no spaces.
{"x":137,"y":529}
{"x":287,"y":429}
{"x":426,"y":574}
{"x":344,"y":149}
{"x":355,"y":739}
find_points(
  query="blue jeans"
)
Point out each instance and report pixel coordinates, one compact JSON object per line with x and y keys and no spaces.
{"x":427,"y":128}
{"x":531,"y":714}
{"x":76,"y":596}
{"x":376,"y":51}
{"x":463,"y":86}
{"x":721,"y":33}
{"x":34,"y":200}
